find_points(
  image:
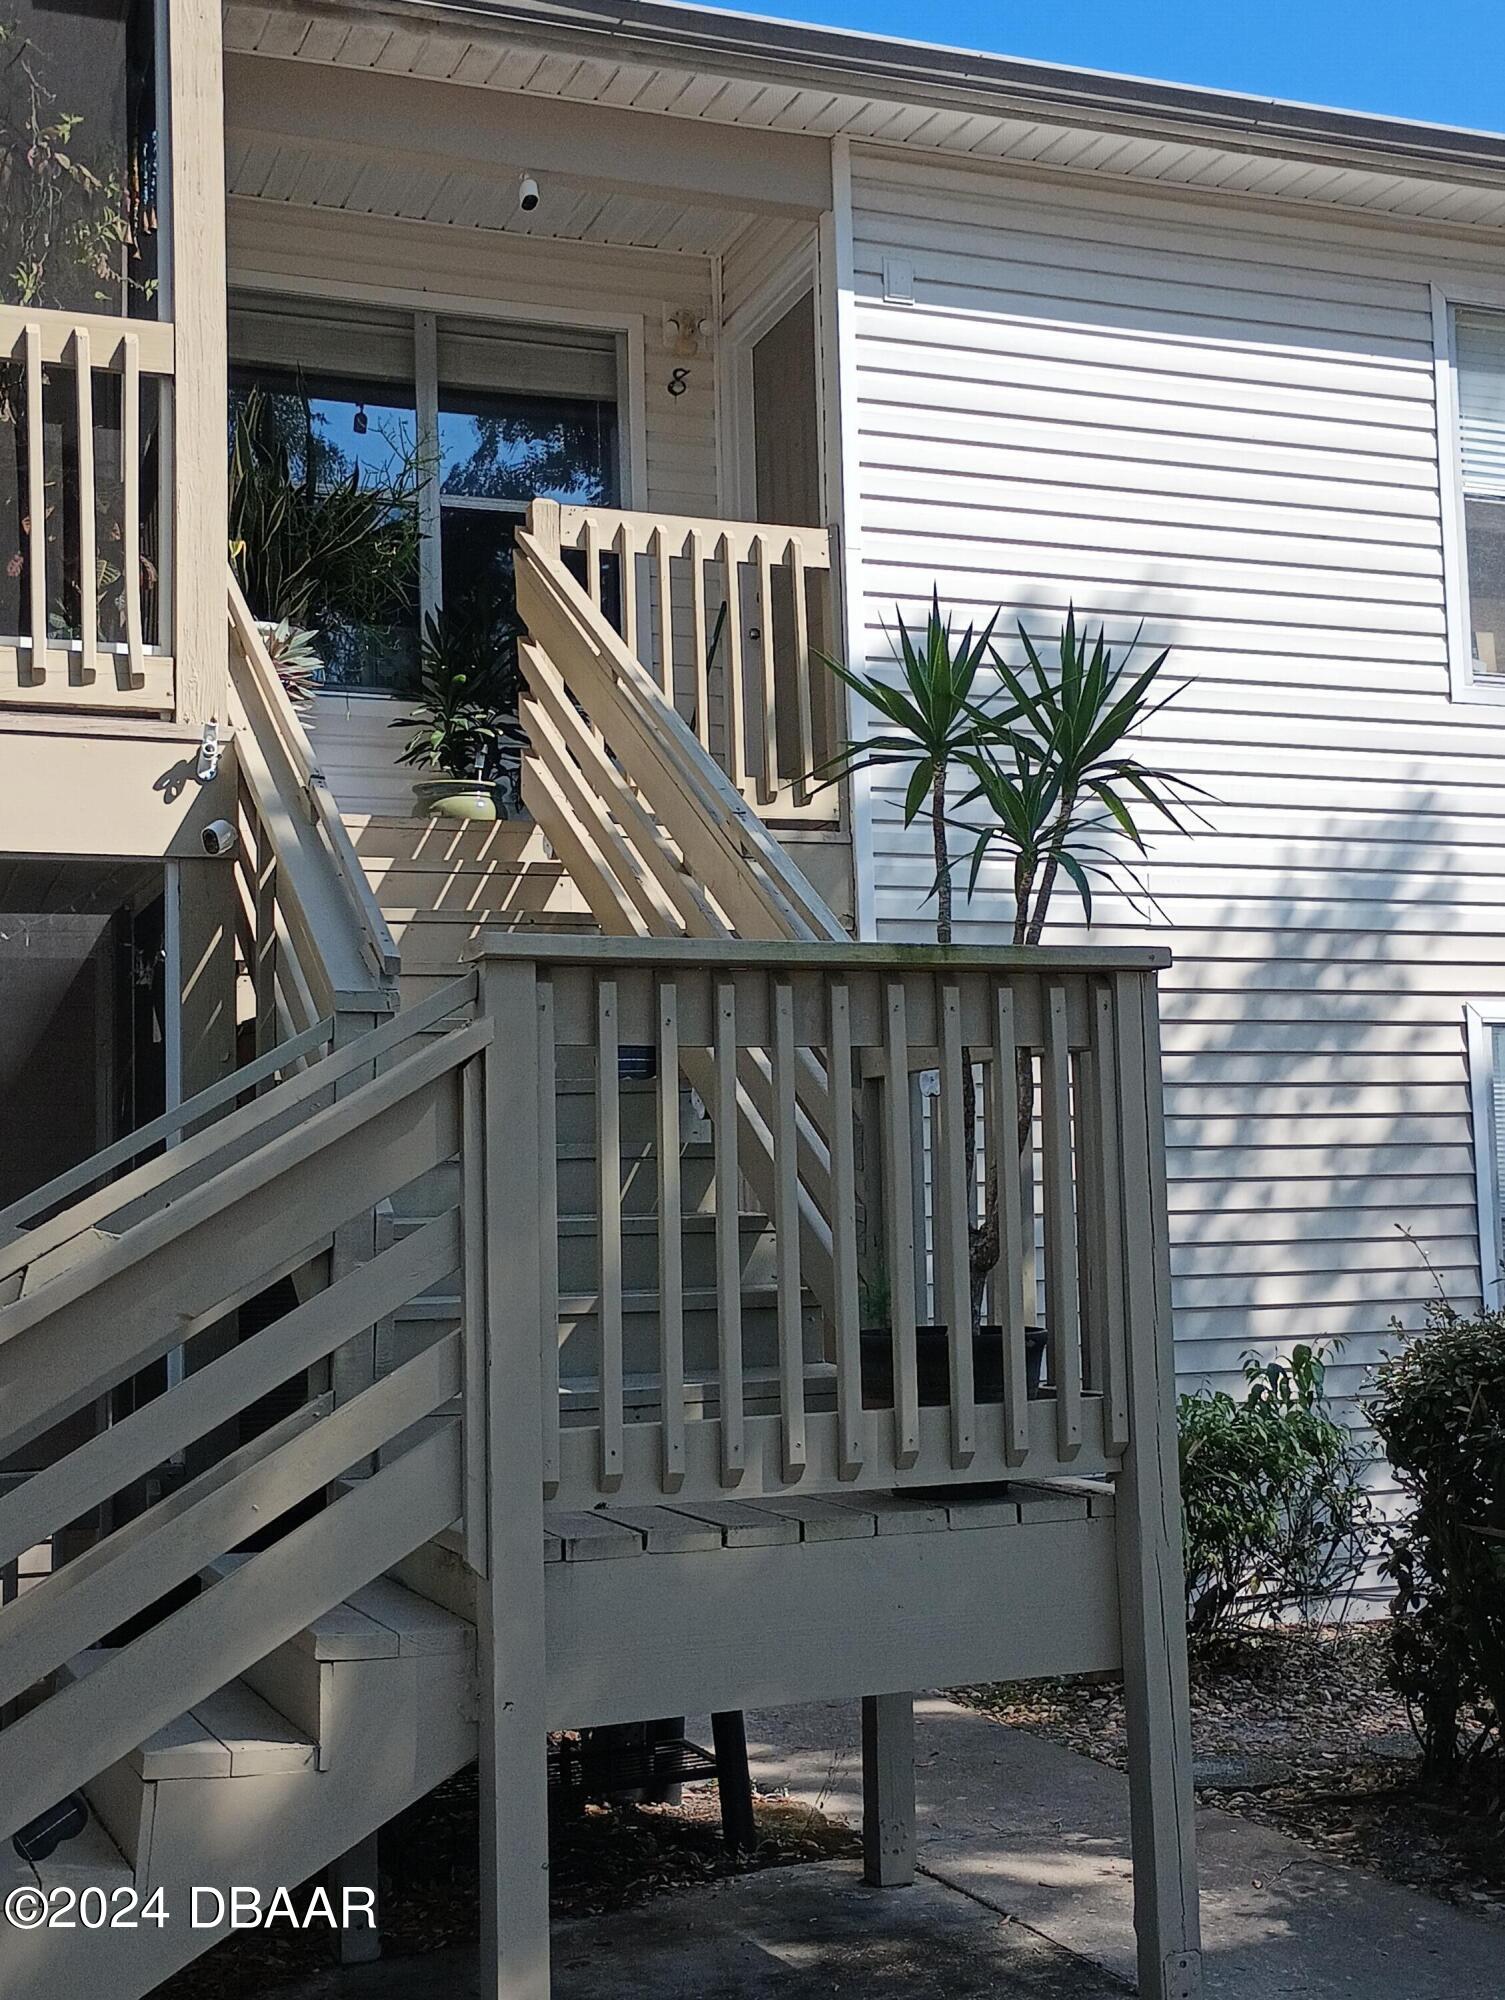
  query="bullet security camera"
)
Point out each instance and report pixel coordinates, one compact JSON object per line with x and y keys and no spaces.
{"x":527,"y":194}
{"x":220,"y":839}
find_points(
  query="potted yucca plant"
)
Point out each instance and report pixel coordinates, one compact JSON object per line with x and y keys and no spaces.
{"x":1035,"y":767}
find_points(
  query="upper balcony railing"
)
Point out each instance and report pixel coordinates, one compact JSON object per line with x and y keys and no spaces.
{"x":112,"y":363}
{"x":86,"y":621}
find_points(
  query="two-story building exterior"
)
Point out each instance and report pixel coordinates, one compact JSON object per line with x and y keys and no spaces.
{"x":564,"y":1182}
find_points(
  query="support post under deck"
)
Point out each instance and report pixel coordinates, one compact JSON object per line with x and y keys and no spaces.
{"x":1152,"y":1603}
{"x":513,"y":1765}
{"x":888,"y":1804}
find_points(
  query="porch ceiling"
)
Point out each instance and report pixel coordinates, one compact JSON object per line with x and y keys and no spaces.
{"x":736,"y":71}
{"x":311,"y":176}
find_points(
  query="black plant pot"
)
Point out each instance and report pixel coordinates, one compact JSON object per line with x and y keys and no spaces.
{"x":933,"y":1365}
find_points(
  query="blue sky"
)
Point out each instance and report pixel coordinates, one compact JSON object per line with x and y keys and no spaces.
{"x":1443,"y":61}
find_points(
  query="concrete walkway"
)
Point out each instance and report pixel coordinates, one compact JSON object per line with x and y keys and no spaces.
{"x":1024,"y":1894}
{"x":806,"y":1933}
{"x":1035,"y":1833}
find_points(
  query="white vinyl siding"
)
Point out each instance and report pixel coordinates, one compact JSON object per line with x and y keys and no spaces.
{"x":762,"y":256}
{"x":1223,"y":422}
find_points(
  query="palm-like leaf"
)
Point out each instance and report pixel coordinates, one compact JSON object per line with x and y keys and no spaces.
{"x":1057,"y":775}
{"x":932,"y":719}
{"x":933,"y":725}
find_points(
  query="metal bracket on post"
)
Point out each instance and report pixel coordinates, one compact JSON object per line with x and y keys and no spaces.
{"x":210,"y":752}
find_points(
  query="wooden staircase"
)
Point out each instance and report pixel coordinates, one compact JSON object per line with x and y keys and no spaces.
{"x":261,"y":1784}
{"x":560,"y":1261}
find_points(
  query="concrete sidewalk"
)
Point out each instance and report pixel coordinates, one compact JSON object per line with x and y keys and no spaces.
{"x":806,"y":1933}
{"x":1024,"y":1894}
{"x":1032,"y":1832}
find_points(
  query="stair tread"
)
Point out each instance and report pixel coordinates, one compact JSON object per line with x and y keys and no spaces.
{"x":343,"y":1632}
{"x":418,"y":1625}
{"x":256,"y":1738}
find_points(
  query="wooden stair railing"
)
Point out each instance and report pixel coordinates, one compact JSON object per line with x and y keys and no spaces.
{"x":189,"y":1236}
{"x":661,"y":842}
{"x":316,"y":929}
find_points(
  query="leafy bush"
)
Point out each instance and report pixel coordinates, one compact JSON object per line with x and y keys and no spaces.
{"x":1275,"y":1515}
{"x":1440,"y":1411}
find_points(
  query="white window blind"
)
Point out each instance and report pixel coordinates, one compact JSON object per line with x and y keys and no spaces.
{"x":1479,"y":339}
{"x":1497,"y":1100}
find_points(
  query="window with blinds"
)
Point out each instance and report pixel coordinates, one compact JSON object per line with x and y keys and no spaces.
{"x":1479,"y":356}
{"x":467,"y":427}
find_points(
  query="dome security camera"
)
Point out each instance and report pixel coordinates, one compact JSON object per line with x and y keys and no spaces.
{"x":220,"y":839}
{"x":527,"y":194}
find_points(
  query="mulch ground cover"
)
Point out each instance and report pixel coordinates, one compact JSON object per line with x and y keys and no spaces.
{"x":1299,"y":1729}
{"x":602,"y":1859}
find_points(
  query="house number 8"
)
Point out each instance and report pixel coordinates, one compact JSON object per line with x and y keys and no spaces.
{"x":679,"y":381}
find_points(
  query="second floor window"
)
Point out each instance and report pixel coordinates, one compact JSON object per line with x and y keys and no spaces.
{"x":1479,"y":361}
{"x":432,"y":447}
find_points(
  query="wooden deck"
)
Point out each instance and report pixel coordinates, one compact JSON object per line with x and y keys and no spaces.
{"x":680,"y":1607}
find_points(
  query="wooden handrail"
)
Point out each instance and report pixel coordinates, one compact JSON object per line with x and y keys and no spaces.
{"x":214,"y":1222}
{"x":240,"y":1131}
{"x":679,"y":781}
{"x":250,"y":1076}
{"x":288,"y":762}
{"x":726,"y":618}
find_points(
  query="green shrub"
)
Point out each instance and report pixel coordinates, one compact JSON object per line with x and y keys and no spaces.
{"x":1439,"y":1409}
{"x":1275,"y":1515}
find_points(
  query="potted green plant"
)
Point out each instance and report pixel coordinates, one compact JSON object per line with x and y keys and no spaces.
{"x":1042,"y":761}
{"x":460,"y":729}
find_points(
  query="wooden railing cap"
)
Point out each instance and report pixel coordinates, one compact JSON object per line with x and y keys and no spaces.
{"x":565,"y":950}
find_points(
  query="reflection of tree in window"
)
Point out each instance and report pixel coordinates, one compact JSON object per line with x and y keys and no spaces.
{"x":496,"y":454}
{"x":324,"y":491}
{"x":557,"y":448}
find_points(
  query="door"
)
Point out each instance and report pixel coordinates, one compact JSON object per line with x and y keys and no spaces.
{"x":786,"y":421}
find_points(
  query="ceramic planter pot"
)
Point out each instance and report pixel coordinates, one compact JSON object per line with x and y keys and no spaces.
{"x":933,"y":1365}
{"x":455,"y":798}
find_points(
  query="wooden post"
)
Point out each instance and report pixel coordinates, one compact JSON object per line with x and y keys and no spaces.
{"x":1151,"y":1578}
{"x":355,"y":1874}
{"x":195,"y":300}
{"x":514,"y":1777}
{"x":739,"y":1829}
{"x":888,"y":1815}
{"x":353,"y":1366}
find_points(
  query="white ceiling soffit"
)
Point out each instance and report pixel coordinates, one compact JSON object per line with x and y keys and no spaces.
{"x":733,"y":70}
{"x":277,"y":170}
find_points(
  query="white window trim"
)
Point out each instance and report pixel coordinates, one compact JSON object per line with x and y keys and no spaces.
{"x":1464,"y":684}
{"x":1481,"y":1018}
{"x":739,"y":336}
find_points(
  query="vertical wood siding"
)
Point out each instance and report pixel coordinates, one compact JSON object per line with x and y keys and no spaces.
{"x":1223,"y":423}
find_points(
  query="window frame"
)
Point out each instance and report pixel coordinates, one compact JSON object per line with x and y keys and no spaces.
{"x":1481,"y":1019}
{"x":1464,"y":684}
